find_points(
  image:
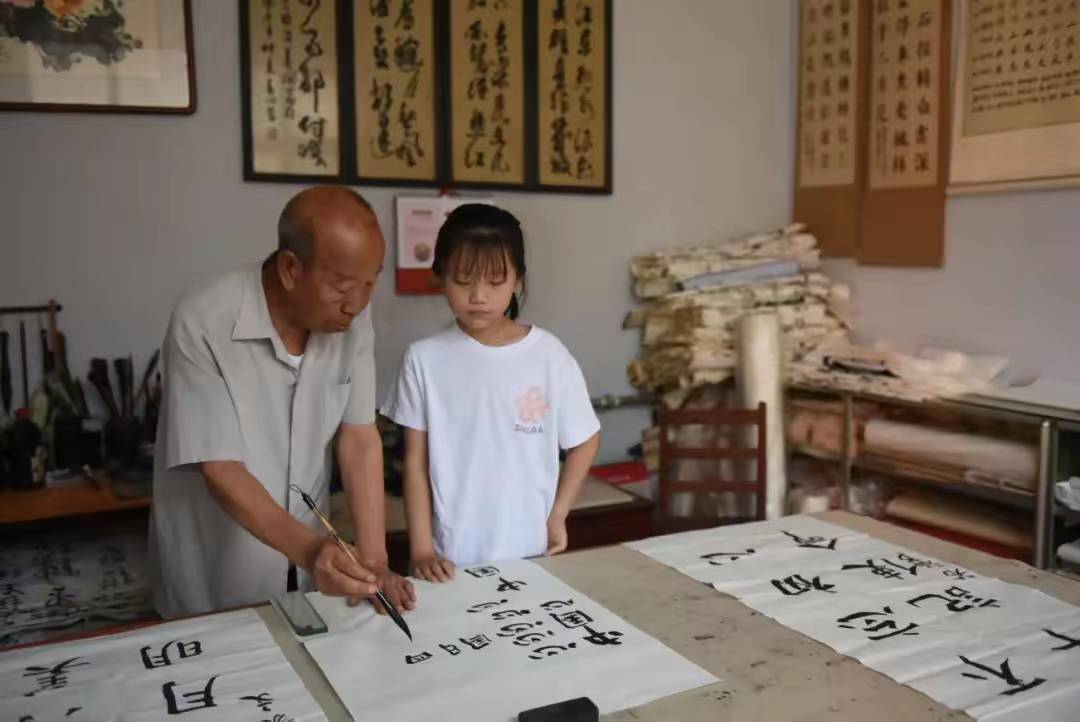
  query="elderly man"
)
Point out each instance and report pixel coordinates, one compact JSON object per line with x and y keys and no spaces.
{"x":265,"y":369}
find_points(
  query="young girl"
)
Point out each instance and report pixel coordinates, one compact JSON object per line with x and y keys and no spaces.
{"x":487,"y":404}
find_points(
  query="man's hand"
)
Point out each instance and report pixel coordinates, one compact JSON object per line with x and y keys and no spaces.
{"x":433,"y":569}
{"x":336,"y":575}
{"x":397,"y":589}
{"x":556,"y":530}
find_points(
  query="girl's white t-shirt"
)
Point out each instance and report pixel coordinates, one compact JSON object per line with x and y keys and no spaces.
{"x":495,"y":417}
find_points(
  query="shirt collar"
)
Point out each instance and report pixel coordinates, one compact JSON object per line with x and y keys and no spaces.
{"x":253,"y":319}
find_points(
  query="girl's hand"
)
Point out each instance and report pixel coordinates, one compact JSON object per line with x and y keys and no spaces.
{"x":556,"y":530}
{"x":433,"y":569}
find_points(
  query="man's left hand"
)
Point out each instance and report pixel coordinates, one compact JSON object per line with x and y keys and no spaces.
{"x":397,"y":589}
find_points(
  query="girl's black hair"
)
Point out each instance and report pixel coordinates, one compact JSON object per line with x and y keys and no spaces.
{"x":477,"y":239}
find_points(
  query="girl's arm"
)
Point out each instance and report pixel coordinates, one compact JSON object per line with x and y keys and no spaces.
{"x":425,"y":564}
{"x":575,"y":469}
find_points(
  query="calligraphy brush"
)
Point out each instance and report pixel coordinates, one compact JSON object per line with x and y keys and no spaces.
{"x":386,"y":605}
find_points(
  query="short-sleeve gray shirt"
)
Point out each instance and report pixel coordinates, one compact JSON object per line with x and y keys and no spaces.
{"x":231,"y":395}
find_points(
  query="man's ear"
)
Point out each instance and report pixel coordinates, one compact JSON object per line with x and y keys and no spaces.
{"x":289,"y":269}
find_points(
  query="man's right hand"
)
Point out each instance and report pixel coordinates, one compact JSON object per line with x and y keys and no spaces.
{"x":336,"y":575}
{"x":433,"y":569}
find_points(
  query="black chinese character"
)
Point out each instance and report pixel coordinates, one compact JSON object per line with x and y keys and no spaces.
{"x":263,"y":701}
{"x":50,"y":678}
{"x":416,"y":659}
{"x":812,"y":542}
{"x":183,"y":651}
{"x":1070,"y":643}
{"x":556,"y":604}
{"x":512,"y":630}
{"x":189,"y":701}
{"x":572,"y":619}
{"x":551,"y":650}
{"x":481,"y":572}
{"x":453,"y":649}
{"x":958,"y":600}
{"x":602,"y":639}
{"x":719,"y":559}
{"x":872,"y":626}
{"x":478,"y":642}
{"x":1004,"y":674}
{"x":477,"y":608}
{"x":509,"y":586}
{"x":796,"y":584}
{"x":509,"y":614}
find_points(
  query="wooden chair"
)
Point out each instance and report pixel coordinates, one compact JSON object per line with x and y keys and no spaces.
{"x":671,"y":452}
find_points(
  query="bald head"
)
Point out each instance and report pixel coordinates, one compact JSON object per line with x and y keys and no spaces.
{"x":325,"y":209}
{"x":330,"y":253}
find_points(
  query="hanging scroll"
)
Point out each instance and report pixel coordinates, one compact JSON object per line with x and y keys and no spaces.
{"x":904,"y":208}
{"x":574,"y":69}
{"x":832,"y":60}
{"x":1017,"y":102}
{"x":487,"y":92}
{"x":290,"y":89}
{"x":395,"y":87}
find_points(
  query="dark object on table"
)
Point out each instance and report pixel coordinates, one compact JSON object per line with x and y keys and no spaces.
{"x":123,"y":436}
{"x":25,"y":369}
{"x":68,"y":442}
{"x":90,"y":448}
{"x":99,"y":377}
{"x":581,"y":709}
{"x":25,"y":444}
{"x":5,"y":371}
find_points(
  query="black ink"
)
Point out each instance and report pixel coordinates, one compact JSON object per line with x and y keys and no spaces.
{"x":189,"y":701}
{"x":1070,"y":643}
{"x":556,"y":604}
{"x":263,"y":701}
{"x":183,"y":651}
{"x":1005,"y":674}
{"x":422,"y":657}
{"x":719,"y":559}
{"x":477,"y":608}
{"x":958,"y":600}
{"x":796,"y":584}
{"x":453,"y":649}
{"x":481,"y":572}
{"x":602,"y":639}
{"x":50,"y":678}
{"x":478,"y":642}
{"x":509,"y":586}
{"x":509,"y":614}
{"x":551,"y":650}
{"x":812,"y":542}
{"x":869,"y":625}
{"x":512,"y":630}
{"x":572,"y":619}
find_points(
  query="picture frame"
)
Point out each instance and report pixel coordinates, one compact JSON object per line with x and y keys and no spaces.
{"x":590,"y":77}
{"x":1002,"y":139}
{"x":292,"y":105}
{"x":97,"y":56}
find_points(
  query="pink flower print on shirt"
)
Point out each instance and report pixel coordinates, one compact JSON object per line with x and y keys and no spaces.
{"x":532,"y":406}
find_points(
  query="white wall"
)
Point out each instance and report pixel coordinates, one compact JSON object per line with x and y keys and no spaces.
{"x":1010,"y":285}
{"x":115,"y":215}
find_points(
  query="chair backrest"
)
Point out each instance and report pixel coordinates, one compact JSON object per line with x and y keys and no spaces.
{"x":671,"y":452}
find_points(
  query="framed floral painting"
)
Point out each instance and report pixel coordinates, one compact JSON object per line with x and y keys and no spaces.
{"x":119,"y":56}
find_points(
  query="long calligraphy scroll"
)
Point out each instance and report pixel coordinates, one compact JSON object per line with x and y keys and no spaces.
{"x":573,"y":96}
{"x":289,"y":74}
{"x":397,"y":116}
{"x":1017,"y":95}
{"x":904,"y":206}
{"x":487,"y":92}
{"x":833,"y":54}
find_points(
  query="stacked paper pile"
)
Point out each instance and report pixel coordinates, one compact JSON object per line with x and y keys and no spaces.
{"x":694,"y":296}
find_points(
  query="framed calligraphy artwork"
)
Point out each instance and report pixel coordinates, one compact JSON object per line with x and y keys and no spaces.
{"x":903,"y":217}
{"x":833,"y":54}
{"x":574,"y":95}
{"x":487,"y":105}
{"x":112,"y":57}
{"x":290,"y":90}
{"x":1016,"y":106}
{"x":396,"y":86}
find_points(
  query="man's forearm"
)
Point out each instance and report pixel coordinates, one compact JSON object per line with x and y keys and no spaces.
{"x":361,"y":462}
{"x":246,"y":500}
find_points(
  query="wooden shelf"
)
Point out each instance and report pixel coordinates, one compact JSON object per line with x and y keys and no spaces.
{"x":29,"y":505}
